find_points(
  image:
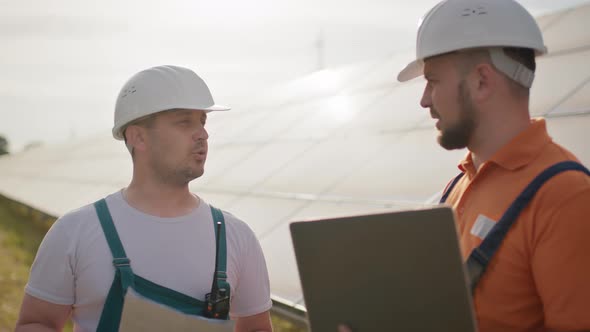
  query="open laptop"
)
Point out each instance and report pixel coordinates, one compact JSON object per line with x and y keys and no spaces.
{"x":394,"y":271}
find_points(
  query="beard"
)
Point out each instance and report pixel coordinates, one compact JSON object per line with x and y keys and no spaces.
{"x":457,"y":136}
{"x":179,"y":173}
{"x":185,"y":175}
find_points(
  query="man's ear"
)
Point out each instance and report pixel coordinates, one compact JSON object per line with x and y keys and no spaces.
{"x":136,"y":137}
{"x":483,"y":82}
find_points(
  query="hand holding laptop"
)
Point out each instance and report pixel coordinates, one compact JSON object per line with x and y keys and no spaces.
{"x":344,"y":328}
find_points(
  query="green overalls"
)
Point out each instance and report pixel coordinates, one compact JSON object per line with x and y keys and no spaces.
{"x":125,"y":278}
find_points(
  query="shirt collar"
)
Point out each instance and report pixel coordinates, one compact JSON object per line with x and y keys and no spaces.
{"x":520,"y":151}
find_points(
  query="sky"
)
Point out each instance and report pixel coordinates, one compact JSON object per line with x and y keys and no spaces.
{"x":63,"y":61}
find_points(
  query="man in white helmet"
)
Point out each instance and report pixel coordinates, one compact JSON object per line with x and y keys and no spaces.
{"x":153,"y":238}
{"x":532,"y":271}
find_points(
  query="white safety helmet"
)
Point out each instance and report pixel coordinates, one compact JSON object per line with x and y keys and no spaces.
{"x":160,"y":89}
{"x":454,"y":25}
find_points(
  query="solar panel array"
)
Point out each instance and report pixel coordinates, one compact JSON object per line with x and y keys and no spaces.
{"x":340,"y":141}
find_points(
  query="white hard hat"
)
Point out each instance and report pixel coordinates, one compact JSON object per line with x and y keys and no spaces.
{"x":464,"y":24}
{"x":159,"y":89}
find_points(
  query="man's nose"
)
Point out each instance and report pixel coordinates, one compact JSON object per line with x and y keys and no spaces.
{"x":426,"y":101}
{"x":200,"y":133}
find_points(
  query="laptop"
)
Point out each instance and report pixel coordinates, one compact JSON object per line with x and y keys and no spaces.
{"x":392,"y":271}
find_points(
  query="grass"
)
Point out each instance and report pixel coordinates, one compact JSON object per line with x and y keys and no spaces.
{"x":13,"y":276}
{"x":21,"y":233}
{"x":20,"y":237}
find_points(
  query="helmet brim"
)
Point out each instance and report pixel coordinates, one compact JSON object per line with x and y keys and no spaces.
{"x":413,"y":69}
{"x":216,"y":108}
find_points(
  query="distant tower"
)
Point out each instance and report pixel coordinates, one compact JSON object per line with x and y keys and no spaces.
{"x":320,"y":50}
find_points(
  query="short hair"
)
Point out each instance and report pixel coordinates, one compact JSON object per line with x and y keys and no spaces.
{"x":524,"y":56}
{"x":145,"y":121}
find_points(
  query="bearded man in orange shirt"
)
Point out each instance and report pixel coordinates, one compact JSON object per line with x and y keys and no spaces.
{"x":478,"y":58}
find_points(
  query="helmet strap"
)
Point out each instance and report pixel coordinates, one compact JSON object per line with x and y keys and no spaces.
{"x":511,"y":68}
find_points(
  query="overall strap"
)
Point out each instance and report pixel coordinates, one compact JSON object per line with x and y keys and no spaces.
{"x":218,"y":301}
{"x":221,"y":254}
{"x":481,"y":256}
{"x":124,"y":278}
{"x":450,"y":187}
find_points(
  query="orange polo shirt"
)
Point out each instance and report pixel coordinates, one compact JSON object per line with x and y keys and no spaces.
{"x":540,"y":276}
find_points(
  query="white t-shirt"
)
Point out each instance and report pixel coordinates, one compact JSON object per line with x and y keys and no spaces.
{"x":74,"y":263}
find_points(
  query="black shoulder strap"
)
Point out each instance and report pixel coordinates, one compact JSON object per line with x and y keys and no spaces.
{"x":481,"y":256}
{"x":450,"y":187}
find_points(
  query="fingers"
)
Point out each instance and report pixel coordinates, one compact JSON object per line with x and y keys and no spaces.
{"x":344,"y":328}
